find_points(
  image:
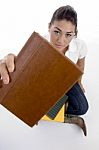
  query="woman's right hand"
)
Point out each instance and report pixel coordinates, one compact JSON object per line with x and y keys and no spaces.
{"x":7,"y":65}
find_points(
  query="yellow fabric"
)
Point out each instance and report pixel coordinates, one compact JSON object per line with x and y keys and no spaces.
{"x":58,"y":118}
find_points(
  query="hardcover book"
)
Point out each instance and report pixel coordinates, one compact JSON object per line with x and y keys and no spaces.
{"x":41,"y":78}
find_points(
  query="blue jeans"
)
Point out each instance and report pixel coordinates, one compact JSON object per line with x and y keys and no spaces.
{"x":77,"y":102}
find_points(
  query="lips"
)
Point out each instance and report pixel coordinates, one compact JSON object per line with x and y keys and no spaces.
{"x":58,"y":45}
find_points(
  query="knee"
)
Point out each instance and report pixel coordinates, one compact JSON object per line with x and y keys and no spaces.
{"x":84,"y":109}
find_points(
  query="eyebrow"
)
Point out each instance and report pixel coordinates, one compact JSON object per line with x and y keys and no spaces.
{"x":61,"y":30}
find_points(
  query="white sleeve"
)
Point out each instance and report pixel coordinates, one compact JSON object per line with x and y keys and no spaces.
{"x":82,"y":49}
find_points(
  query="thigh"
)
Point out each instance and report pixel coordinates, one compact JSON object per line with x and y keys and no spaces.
{"x":77,"y":101}
{"x":76,"y":91}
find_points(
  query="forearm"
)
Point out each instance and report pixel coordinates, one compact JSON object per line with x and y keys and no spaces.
{"x":81,"y":64}
{"x":80,"y":80}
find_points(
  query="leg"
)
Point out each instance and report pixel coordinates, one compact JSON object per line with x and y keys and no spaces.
{"x":77,"y":105}
{"x":77,"y":102}
{"x":79,"y":121}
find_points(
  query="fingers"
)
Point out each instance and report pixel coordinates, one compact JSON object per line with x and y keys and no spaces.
{"x":6,"y":66}
{"x":9,"y":59}
{"x":4,"y":72}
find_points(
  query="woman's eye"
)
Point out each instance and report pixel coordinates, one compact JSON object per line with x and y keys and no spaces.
{"x":68,"y":35}
{"x":57,"y":32}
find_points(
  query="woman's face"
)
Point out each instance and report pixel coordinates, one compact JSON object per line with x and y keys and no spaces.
{"x":61,"y":34}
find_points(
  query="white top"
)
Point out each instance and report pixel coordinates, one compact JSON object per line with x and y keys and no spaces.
{"x":77,"y":49}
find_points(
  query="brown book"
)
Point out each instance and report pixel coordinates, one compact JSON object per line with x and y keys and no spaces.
{"x":42,"y":76}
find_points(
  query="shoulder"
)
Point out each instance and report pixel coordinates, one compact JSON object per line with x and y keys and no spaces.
{"x":78,"y":43}
{"x":78,"y":46}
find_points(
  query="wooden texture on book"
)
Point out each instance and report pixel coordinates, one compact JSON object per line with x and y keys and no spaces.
{"x":42,"y":76}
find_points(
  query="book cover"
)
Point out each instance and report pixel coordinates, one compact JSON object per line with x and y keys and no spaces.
{"x":42,"y":76}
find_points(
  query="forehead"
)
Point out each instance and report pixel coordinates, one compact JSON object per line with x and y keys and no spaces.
{"x":64,"y":26}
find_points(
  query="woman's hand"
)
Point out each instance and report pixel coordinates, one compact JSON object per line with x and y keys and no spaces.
{"x":7,"y":65}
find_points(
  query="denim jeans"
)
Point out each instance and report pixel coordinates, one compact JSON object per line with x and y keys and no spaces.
{"x":77,"y":102}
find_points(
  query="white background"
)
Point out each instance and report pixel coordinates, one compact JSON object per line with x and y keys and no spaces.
{"x":18,"y":19}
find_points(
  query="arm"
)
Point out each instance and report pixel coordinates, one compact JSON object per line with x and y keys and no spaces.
{"x":6,"y":66}
{"x":81,"y":65}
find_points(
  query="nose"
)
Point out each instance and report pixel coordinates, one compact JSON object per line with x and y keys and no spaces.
{"x":62,"y":39}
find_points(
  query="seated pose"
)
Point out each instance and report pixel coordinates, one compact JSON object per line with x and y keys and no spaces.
{"x":63,"y":36}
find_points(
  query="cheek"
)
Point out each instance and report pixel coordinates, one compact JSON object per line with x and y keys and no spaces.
{"x":67,"y":42}
{"x":52,"y":38}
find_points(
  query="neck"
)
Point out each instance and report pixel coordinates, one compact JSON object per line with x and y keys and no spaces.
{"x":64,"y":50}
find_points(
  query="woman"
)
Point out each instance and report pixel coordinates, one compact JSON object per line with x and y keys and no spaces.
{"x":63,"y":36}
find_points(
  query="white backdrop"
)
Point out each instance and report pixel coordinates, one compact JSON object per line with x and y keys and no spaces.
{"x":18,"y":19}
